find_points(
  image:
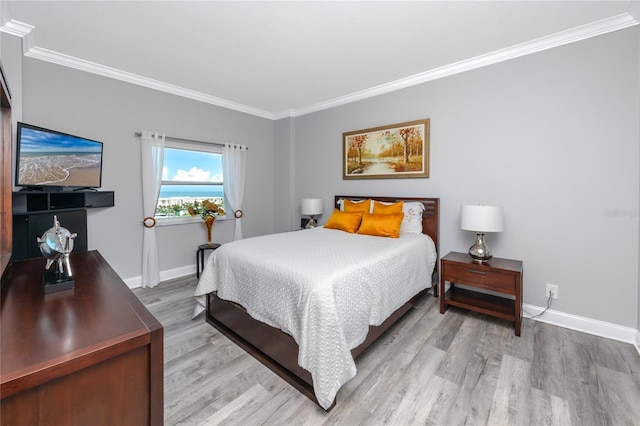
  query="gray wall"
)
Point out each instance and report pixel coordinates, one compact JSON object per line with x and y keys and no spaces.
{"x":553,"y":137}
{"x":112,"y":111}
{"x":284,"y":179}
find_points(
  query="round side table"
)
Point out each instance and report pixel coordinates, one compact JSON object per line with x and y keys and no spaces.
{"x":200,"y":256}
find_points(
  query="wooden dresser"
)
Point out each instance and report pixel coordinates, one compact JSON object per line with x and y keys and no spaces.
{"x":92,"y":355}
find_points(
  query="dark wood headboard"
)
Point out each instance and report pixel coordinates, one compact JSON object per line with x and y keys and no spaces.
{"x":430,"y":216}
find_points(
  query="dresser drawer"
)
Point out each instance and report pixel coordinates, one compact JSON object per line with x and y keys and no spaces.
{"x":503,"y":282}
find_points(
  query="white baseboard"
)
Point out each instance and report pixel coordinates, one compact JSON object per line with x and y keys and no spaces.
{"x":561,"y":319}
{"x":169,"y":274}
{"x":586,"y":325}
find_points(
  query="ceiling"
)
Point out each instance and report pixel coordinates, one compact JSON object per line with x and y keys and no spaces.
{"x":278,"y":59}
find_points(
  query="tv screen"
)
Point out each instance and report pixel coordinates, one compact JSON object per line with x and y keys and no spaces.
{"x":47,"y":158}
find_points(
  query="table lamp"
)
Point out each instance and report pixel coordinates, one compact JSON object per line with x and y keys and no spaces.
{"x":481,"y":219}
{"x":311,"y":207}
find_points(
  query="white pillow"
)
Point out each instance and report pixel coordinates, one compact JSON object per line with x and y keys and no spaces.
{"x":412,"y":222}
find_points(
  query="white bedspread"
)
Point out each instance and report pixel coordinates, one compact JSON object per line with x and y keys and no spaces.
{"x":323,"y":287}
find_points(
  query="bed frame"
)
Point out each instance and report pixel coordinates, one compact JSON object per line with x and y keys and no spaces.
{"x":279,"y":351}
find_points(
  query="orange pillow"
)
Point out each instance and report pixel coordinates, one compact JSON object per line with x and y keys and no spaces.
{"x":381,"y":208}
{"x":344,"y":221}
{"x":360,"y":206}
{"x":381,"y":225}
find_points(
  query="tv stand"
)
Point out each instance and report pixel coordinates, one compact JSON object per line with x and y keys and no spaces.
{"x":33,"y":213}
{"x":85,"y":188}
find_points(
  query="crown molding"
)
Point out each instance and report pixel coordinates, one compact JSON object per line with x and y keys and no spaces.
{"x":17,"y":28}
{"x":287,"y":113}
{"x":618,"y":22}
{"x":26,"y":32}
{"x":105,"y":71}
{"x":22,"y":30}
{"x":614,"y":23}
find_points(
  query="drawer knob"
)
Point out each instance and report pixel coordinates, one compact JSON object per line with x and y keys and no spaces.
{"x":477,"y":272}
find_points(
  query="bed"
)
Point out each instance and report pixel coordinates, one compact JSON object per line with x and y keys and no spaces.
{"x":307,"y":303}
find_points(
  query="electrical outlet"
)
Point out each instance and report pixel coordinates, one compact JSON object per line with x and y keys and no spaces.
{"x":552,"y":288}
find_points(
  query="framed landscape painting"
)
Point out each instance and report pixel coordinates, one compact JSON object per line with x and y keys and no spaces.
{"x":387,"y":152}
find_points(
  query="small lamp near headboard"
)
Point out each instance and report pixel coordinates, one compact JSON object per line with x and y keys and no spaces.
{"x":481,"y":219}
{"x":311,"y":207}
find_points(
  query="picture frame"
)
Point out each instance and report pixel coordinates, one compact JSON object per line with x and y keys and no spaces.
{"x":388,"y":152}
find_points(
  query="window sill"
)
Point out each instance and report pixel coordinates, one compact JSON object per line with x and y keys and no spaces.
{"x":184,"y":220}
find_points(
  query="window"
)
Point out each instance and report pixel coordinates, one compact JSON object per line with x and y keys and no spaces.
{"x":192,"y":173}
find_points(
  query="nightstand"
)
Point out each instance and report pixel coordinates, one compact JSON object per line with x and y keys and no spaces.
{"x":501,"y":276}
{"x":200,"y":256}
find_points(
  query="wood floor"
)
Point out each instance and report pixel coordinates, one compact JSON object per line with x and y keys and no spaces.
{"x":457,"y":368}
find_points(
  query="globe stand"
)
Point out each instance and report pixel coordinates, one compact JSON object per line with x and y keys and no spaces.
{"x":57,"y":281}
{"x":56,"y":245}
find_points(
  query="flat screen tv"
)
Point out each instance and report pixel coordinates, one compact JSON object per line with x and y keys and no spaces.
{"x":47,"y":160}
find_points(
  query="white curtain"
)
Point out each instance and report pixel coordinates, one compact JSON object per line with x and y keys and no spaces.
{"x":152,"y":161}
{"x":233,"y":167}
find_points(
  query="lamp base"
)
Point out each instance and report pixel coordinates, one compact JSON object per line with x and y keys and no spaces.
{"x":480,"y":251}
{"x":311,"y":224}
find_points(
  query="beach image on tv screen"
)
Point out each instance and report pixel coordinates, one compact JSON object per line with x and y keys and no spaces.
{"x":56,"y":159}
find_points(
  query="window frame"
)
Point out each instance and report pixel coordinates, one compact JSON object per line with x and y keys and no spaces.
{"x":192,"y":146}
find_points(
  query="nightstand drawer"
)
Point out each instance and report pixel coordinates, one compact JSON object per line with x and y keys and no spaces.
{"x":480,"y":277}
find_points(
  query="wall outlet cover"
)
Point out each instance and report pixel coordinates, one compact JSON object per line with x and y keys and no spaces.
{"x":551,"y":288}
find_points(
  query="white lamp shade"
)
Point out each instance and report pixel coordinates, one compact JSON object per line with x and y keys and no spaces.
{"x":311,"y":206}
{"x":482,"y":218}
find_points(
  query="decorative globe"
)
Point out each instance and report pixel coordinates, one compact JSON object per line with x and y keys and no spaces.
{"x":56,"y":244}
